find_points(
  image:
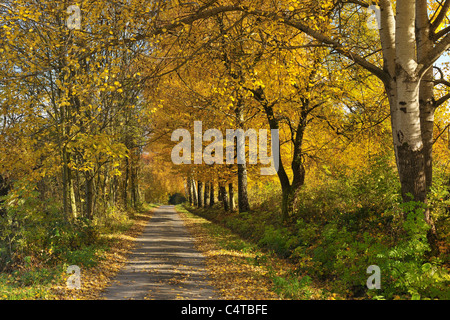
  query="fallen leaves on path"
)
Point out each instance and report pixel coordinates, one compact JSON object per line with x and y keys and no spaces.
{"x":94,"y":280}
{"x":229,"y":270}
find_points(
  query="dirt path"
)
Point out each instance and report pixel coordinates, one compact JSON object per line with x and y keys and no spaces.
{"x":164,"y":264}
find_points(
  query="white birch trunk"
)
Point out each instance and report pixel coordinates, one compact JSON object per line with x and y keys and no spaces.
{"x":404,"y":97}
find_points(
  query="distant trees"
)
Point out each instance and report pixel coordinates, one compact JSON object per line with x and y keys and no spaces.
{"x":75,"y":100}
{"x":79,"y":107}
{"x":401,"y":54}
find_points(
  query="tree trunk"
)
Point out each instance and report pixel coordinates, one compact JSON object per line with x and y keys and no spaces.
{"x":194,"y":192}
{"x":113,"y":191}
{"x":286,"y":202}
{"x":65,"y":183}
{"x":406,"y":126}
{"x":219,"y":193}
{"x":427,"y":108}
{"x":200,"y":194}
{"x":287,"y":199}
{"x":223,"y":192}
{"x":106,"y":182}
{"x":298,"y":168}
{"x":231,"y":196}
{"x":206,"y":195}
{"x":134,"y":186}
{"x":73,"y":202}
{"x":211,"y":194}
{"x":89,"y":196}
{"x":408,"y":139}
{"x":189,"y":188}
{"x":125,"y":184}
{"x":426,"y":100}
{"x":243,"y":203}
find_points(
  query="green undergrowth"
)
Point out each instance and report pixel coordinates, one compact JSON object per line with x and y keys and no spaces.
{"x":286,"y":283}
{"x":337,"y":255}
{"x":341,"y":227}
{"x":37,"y":249}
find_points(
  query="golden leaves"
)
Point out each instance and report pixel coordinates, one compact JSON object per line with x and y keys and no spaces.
{"x":230,"y":271}
{"x":95,"y":279}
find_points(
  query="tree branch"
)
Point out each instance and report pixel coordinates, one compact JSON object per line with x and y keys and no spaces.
{"x":441,"y":133}
{"x":286,"y":19}
{"x":441,"y":16}
{"x":434,"y":54}
{"x":442,"y":100}
{"x":164,"y":28}
{"x":387,"y":35}
{"x":360,"y":3}
{"x":442,"y":81}
{"x":441,"y":33}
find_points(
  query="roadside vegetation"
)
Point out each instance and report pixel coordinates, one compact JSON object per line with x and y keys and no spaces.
{"x":99,"y":248}
{"x":339,"y":229}
{"x":240,"y":269}
{"x":107,"y":105}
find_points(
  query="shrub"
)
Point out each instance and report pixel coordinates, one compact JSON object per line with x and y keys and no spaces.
{"x":291,"y":287}
{"x":87,"y":256}
{"x":279,"y":239}
{"x":408,"y":269}
{"x":31,"y":227}
{"x":21,"y":228}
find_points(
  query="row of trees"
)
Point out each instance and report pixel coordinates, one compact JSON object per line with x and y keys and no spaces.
{"x":73,"y":124}
{"x":79,"y":105}
{"x":299,"y":67}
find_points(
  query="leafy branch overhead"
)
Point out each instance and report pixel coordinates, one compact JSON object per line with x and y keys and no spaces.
{"x":317,"y":128}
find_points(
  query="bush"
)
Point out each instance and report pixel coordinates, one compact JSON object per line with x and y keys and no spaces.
{"x":21,"y":229}
{"x":408,"y":269}
{"x":34,"y":228}
{"x":291,"y":287}
{"x":279,"y":240}
{"x":347,"y":223}
{"x":87,"y":256}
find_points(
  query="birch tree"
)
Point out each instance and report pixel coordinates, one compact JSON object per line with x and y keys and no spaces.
{"x":412,"y":37}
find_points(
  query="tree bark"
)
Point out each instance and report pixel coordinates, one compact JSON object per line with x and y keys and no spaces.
{"x":219,"y":193}
{"x":426,"y":89}
{"x":200,"y":194}
{"x":89,"y":196}
{"x":231,"y":197}
{"x":113,"y":191}
{"x":125,"y":184}
{"x":243,"y":203}
{"x":427,"y":108}
{"x":223,"y":192}
{"x":288,"y":190}
{"x":406,"y":125}
{"x":408,"y":140}
{"x":194,"y":192}
{"x":65,"y":183}
{"x":73,"y":202}
{"x":134,"y":179}
{"x":211,"y":194}
{"x":206,"y":195}
{"x":189,"y":188}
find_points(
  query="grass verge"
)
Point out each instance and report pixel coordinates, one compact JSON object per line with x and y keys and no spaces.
{"x":99,"y":262}
{"x":239,"y":269}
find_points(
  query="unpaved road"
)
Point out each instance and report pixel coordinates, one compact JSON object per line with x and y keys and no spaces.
{"x":164,"y":265}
